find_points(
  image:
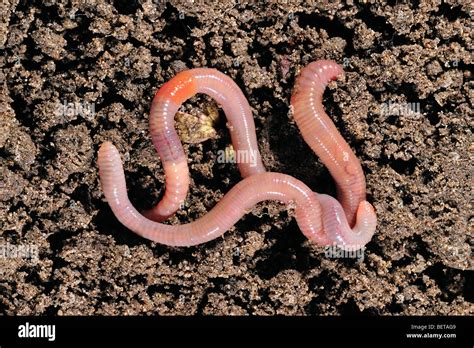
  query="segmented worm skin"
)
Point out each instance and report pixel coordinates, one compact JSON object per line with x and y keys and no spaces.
{"x":322,"y":136}
{"x":242,"y":197}
{"x":168,"y":145}
{"x":320,"y":217}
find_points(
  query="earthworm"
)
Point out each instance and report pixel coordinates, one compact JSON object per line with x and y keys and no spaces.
{"x":321,"y":218}
{"x":164,"y":106}
{"x":331,"y":229}
{"x":322,"y":136}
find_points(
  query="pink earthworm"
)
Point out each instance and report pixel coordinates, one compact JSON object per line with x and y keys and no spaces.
{"x":321,"y":218}
{"x":331,"y":229}
{"x":164,"y":106}
{"x":322,"y":136}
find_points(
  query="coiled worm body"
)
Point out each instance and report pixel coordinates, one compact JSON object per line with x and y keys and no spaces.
{"x":242,"y":197}
{"x":321,"y":134}
{"x":166,"y":103}
{"x":321,"y":218}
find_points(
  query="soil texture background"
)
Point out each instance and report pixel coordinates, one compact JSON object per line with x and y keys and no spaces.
{"x":76,"y":73}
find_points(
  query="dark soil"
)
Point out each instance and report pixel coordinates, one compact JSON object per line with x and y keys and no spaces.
{"x":113,"y":55}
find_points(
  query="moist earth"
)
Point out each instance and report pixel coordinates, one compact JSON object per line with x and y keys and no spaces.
{"x":76,"y":73}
